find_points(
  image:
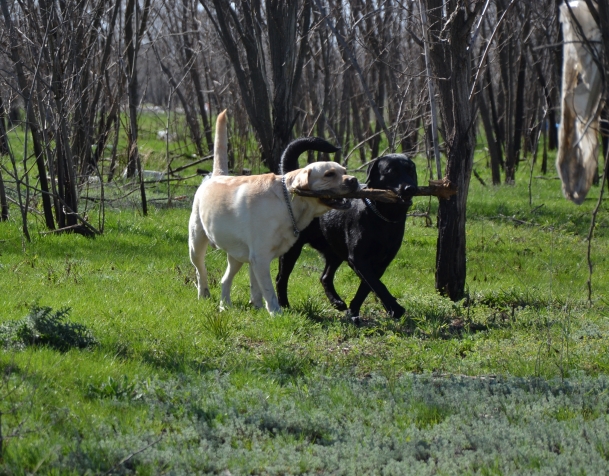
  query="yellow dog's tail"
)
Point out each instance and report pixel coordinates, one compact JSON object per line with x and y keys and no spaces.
{"x":221,"y":146}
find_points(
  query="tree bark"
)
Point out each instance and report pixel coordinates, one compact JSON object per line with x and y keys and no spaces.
{"x":516,"y":124}
{"x":450,"y":60}
{"x":287,"y":61}
{"x":47,"y":206}
{"x":133,"y":35}
{"x":3,"y":136}
{"x":494,"y":148}
{"x":552,"y":127}
{"x":3,"y":151}
{"x":272,"y":125}
{"x":191,"y":120}
{"x":194,"y":76}
{"x":3,"y":201}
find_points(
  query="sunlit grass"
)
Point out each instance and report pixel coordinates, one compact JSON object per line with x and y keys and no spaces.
{"x":526,"y":315}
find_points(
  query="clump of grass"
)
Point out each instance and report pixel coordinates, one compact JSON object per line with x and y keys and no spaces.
{"x":510,"y":299}
{"x":426,"y":415}
{"x":286,"y":364}
{"x":117,"y":389}
{"x":312,"y":308}
{"x":219,"y":324}
{"x":432,"y":317}
{"x":45,"y":327}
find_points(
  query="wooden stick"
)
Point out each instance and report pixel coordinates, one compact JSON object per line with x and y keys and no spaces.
{"x":442,"y":189}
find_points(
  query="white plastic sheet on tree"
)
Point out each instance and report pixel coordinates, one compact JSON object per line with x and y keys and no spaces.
{"x":576,"y":160}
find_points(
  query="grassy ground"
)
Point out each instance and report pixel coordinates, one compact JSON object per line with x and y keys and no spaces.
{"x":511,"y":380}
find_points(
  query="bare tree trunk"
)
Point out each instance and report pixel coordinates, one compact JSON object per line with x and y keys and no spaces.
{"x":380,"y":99}
{"x":344,"y":122}
{"x":553,"y":129}
{"x":494,"y":148}
{"x":325,"y":57}
{"x":47,"y":206}
{"x":494,"y":115}
{"x":84,"y":115}
{"x":134,"y":32}
{"x":357,"y":117}
{"x":194,"y":75}
{"x":3,"y":151}
{"x":273,"y":126}
{"x":286,"y":65}
{"x":516,"y":124}
{"x":450,"y":61}
{"x":130,"y":42}
{"x":3,"y":201}
{"x":3,"y":136}
{"x":191,"y":120}
{"x":105,"y":124}
{"x":66,"y":172}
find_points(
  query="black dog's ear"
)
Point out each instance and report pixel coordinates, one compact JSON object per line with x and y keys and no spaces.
{"x":372,"y":171}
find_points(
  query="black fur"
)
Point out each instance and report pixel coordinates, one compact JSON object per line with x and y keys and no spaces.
{"x":289,"y":158}
{"x":359,"y":236}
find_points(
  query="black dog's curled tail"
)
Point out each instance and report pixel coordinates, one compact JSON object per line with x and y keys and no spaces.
{"x":289,"y":158}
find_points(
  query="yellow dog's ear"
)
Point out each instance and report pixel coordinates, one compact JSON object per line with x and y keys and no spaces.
{"x":301,"y":181}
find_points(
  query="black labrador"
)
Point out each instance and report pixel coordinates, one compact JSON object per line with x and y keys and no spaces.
{"x":368,"y":236}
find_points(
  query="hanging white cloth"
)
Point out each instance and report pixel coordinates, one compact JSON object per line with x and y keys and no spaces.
{"x":576,"y":160}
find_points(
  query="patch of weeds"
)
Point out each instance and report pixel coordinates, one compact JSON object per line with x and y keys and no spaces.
{"x":166,"y":356}
{"x":286,"y":365}
{"x":116,"y":389}
{"x":217,"y":323}
{"x":427,"y":415}
{"x":563,"y":413}
{"x":188,"y":278}
{"x":300,"y":431}
{"x":384,"y":325}
{"x":433,"y":318}
{"x":588,"y":330}
{"x":602,"y":448}
{"x":512,"y":299}
{"x":311,"y":308}
{"x":43,"y":326}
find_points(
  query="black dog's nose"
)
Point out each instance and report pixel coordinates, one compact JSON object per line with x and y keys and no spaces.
{"x":408,"y":190}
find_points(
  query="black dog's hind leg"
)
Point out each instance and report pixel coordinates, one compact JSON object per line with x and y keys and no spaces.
{"x":286,"y":266}
{"x":327,"y":281}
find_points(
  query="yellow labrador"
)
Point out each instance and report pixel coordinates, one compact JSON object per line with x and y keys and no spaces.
{"x":254,"y":218}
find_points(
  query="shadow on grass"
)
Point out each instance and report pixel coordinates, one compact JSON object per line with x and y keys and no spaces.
{"x":428,"y":322}
{"x":437,"y":317}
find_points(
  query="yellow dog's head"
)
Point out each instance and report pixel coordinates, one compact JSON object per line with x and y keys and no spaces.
{"x":328,"y":177}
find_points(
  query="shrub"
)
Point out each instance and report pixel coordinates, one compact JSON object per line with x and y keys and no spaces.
{"x":43,"y":326}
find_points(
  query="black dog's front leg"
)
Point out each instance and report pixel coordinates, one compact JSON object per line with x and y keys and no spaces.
{"x":370,"y":281}
{"x":327,"y":281}
{"x":286,"y":266}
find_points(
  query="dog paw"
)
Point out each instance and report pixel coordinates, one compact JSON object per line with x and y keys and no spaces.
{"x":398,"y":312}
{"x":356,"y":320}
{"x":204,"y":294}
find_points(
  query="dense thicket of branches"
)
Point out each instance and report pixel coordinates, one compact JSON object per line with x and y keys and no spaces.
{"x":75,"y":73}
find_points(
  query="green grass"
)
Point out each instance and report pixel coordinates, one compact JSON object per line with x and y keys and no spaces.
{"x":175,"y":386}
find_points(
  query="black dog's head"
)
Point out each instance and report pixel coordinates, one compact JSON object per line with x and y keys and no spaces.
{"x":394,"y":172}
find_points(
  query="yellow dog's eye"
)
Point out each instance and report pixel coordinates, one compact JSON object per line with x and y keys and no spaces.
{"x":330,"y":173}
